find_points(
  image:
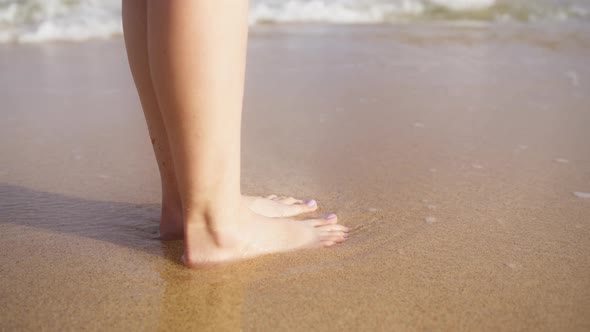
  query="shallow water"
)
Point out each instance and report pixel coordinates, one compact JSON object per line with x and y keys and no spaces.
{"x":330,"y":113}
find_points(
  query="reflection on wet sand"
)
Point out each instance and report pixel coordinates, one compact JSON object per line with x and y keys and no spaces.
{"x":200,"y":304}
{"x":165,"y":290}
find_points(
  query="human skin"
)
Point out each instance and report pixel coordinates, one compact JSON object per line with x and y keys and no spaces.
{"x":171,"y":224}
{"x":193,"y":65}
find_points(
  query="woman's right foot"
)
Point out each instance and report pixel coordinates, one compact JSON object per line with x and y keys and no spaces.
{"x":243,"y":234}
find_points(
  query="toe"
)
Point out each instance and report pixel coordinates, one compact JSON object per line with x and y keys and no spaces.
{"x":304,"y":207}
{"x":334,"y":238}
{"x":326,"y":234}
{"x":315,"y":222}
{"x":331,"y":218}
{"x":340,"y":239}
{"x":333,"y":228}
{"x":322,"y":221}
{"x":327,"y":243}
{"x":312,"y":205}
{"x":291,"y":210}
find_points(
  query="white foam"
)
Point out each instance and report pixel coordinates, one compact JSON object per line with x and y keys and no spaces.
{"x":31,"y":21}
{"x":353,"y":11}
{"x":335,"y":11}
{"x":461,"y":5}
{"x":430,"y":220}
{"x":512,"y":265}
{"x":581,"y":194}
{"x":573,"y":76}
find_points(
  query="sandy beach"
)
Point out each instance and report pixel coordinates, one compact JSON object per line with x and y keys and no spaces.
{"x":459,"y":157}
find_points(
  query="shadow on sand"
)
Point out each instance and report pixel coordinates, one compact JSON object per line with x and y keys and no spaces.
{"x":125,"y":224}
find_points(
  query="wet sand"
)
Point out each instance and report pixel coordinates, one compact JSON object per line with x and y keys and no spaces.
{"x":452,"y":153}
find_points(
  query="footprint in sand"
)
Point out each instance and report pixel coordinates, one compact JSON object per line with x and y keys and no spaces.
{"x":582,"y":194}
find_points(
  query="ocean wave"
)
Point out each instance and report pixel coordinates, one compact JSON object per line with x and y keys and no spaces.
{"x":401,"y":11}
{"x":32,"y":21}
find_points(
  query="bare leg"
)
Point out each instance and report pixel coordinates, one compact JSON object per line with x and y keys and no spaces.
{"x":197,"y":53}
{"x":135,"y":26}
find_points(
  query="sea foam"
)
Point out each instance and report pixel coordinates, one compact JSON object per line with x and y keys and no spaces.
{"x":581,"y":194}
{"x":33,"y":21}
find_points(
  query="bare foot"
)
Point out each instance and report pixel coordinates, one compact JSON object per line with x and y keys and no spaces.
{"x":171,"y":226}
{"x":243,"y":234}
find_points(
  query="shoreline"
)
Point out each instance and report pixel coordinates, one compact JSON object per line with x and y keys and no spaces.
{"x":453,"y":155}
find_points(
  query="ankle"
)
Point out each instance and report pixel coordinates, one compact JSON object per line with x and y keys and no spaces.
{"x":211,"y":231}
{"x":171,"y":218}
{"x":171,"y":213}
{"x":213,"y":209}
{"x":212,"y":217}
{"x":171,"y":209}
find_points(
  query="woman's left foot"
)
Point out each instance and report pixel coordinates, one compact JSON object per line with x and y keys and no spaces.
{"x":273,"y":206}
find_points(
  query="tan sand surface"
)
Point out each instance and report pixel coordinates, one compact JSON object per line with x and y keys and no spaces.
{"x":437,"y":145}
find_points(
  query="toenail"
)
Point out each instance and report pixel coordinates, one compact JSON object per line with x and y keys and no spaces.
{"x":331,"y":216}
{"x":311,"y":203}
